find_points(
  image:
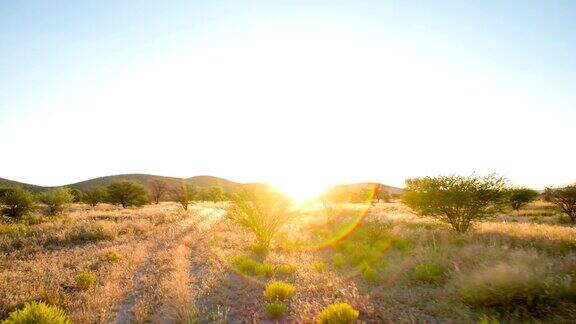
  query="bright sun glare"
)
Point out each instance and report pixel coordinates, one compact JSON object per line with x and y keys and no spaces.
{"x":301,"y":191}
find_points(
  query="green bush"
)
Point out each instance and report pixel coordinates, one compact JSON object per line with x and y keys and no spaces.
{"x":286,"y":269}
{"x":94,"y":196}
{"x":38,"y":313}
{"x":245,"y":265}
{"x":15,"y":202}
{"x":338,"y":260}
{"x":278,"y":291}
{"x":85,"y":280}
{"x":264,"y":269}
{"x":341,"y":313}
{"x":56,"y":200}
{"x":275,"y":309}
{"x":428,"y":272}
{"x":113,"y":256}
{"x":521,"y":196}
{"x":127,"y":193}
{"x":367,"y":272}
{"x":457,"y":200}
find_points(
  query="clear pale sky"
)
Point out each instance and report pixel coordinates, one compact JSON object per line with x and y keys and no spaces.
{"x":296,"y":93}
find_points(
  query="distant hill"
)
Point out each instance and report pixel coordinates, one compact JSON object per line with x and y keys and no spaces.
{"x":197,"y":181}
{"x":367,"y":185}
{"x":30,"y":187}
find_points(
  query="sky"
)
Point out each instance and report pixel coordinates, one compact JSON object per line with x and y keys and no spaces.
{"x":300,"y":94}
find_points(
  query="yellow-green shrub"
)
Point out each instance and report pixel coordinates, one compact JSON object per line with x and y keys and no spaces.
{"x":341,"y":313}
{"x":279,"y":290}
{"x":38,"y":312}
{"x":85,"y":280}
{"x":113,"y":256}
{"x":275,"y":309}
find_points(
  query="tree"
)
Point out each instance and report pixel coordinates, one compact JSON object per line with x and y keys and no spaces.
{"x":381,"y":193}
{"x":456,"y":200}
{"x":211,"y":194}
{"x":260,"y":211}
{"x":126,"y":193}
{"x":76,"y":194}
{"x":565,"y":198}
{"x":183,"y":195}
{"x":519,"y":197}
{"x":94,"y":196}
{"x":15,"y":202}
{"x":158,"y":188}
{"x":56,"y":200}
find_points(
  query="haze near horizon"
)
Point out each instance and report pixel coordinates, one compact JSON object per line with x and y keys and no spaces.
{"x":296,"y":94}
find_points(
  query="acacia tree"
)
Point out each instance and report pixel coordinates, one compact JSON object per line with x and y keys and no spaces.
{"x":158,"y":188}
{"x":456,"y":200}
{"x":262,"y":212}
{"x":56,"y":200}
{"x":126,"y":193}
{"x":565,"y":198}
{"x":519,"y":197}
{"x":183,"y":195}
{"x":15,"y":202}
{"x":94,"y":196}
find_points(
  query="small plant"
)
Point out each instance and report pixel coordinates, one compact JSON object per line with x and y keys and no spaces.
{"x":428,"y":272}
{"x":275,"y":309}
{"x":338,"y":260}
{"x":113,"y":256}
{"x":368,"y":273}
{"x":320,"y":266}
{"x":264,"y":269}
{"x":286,"y":269}
{"x":38,"y":312}
{"x":340,"y":313}
{"x":85,"y":280}
{"x":244,"y":264}
{"x":278,"y":291}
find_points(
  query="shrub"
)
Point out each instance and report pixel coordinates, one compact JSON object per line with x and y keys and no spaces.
{"x":56,"y":200}
{"x":94,"y":196}
{"x":514,"y":285}
{"x":264,"y":269}
{"x":286,"y":269}
{"x":340,"y":313}
{"x":261,"y":212}
{"x":113,"y":256}
{"x":565,"y":198}
{"x":183,"y":195}
{"x":278,"y":291}
{"x":428,"y":272}
{"x":77,"y":195}
{"x":16,"y":202}
{"x":275,"y":309}
{"x":367,"y":272}
{"x":338,"y":260}
{"x":38,"y":312}
{"x":85,"y":280}
{"x":456,"y":200}
{"x":320,"y":266}
{"x":521,"y":196}
{"x":126,"y":193}
{"x":245,"y":265}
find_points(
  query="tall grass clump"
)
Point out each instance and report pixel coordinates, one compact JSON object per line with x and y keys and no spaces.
{"x":262,"y":212}
{"x":275,"y":309}
{"x":428,"y":272}
{"x":279,"y":291}
{"x":340,"y":313}
{"x":38,"y":313}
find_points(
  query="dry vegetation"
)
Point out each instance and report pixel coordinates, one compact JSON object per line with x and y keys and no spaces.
{"x":162,"y":264}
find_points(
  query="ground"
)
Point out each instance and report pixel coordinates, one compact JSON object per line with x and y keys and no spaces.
{"x":176,"y":266}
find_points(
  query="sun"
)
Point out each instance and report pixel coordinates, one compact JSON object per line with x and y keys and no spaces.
{"x":301,"y":191}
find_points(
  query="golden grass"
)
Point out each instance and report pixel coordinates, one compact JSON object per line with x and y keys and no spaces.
{"x":175,"y":266}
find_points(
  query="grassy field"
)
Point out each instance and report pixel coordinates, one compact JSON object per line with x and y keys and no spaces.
{"x":162,"y":264}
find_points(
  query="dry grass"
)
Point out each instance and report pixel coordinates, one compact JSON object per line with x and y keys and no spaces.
{"x":178,"y":267}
